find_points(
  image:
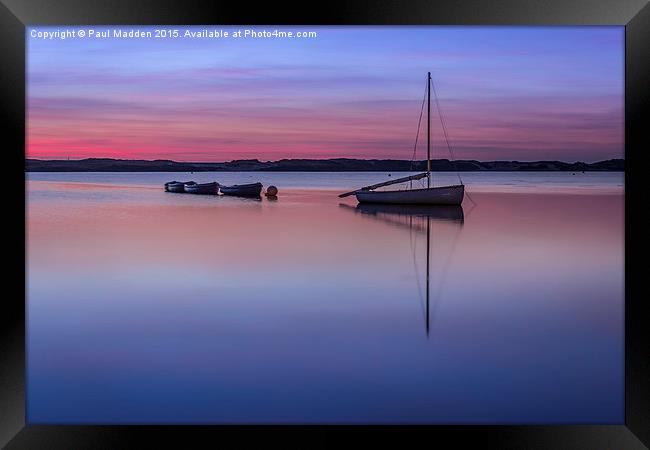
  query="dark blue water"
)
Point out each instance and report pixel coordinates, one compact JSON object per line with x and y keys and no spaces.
{"x":150,"y":307}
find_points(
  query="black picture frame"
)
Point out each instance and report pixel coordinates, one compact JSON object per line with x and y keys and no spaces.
{"x":15,"y":15}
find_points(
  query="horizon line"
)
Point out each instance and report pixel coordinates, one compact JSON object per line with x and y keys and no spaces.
{"x":316,"y":159}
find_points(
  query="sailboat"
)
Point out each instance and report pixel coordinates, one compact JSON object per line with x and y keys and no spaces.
{"x":441,"y":195}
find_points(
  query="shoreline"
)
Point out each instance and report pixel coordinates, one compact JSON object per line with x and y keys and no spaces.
{"x":316,"y":166}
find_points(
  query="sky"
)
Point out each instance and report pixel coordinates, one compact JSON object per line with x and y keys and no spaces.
{"x":505,"y":93}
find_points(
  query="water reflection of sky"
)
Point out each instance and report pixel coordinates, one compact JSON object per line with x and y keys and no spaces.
{"x":488,"y":181}
{"x":172,"y":308}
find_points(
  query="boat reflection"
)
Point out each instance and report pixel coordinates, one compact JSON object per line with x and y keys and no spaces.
{"x":404,"y":214}
{"x":413,"y":217}
{"x":241,"y":198}
{"x":419,"y":218}
{"x":442,"y":212}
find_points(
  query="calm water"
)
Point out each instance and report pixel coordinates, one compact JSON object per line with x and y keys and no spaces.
{"x":152,"y":307}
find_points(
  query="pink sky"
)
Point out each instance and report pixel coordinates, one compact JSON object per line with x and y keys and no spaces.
{"x":524,"y":93}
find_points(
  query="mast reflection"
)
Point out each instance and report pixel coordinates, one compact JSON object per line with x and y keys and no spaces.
{"x":419,"y":218}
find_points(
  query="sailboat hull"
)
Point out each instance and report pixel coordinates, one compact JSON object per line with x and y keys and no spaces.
{"x":444,"y":195}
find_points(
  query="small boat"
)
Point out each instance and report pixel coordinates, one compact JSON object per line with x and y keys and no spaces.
{"x":202,"y":188}
{"x":445,"y":195}
{"x":431,"y":195}
{"x":177,"y":186}
{"x":169,"y":183}
{"x":242,"y":190}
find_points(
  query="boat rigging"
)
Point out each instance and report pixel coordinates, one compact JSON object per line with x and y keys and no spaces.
{"x":441,"y":195}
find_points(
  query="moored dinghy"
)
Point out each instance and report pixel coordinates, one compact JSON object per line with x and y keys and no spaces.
{"x":202,"y":188}
{"x":242,"y":190}
{"x":177,"y":186}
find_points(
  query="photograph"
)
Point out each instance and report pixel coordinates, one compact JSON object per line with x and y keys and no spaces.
{"x":345,"y":224}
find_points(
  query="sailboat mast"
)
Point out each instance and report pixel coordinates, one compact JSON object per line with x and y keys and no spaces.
{"x":429,"y":130}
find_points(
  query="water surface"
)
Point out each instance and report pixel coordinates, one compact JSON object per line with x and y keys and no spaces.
{"x":151,"y":307}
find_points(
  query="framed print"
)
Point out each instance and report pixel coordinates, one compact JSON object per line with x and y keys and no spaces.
{"x":394,"y":220}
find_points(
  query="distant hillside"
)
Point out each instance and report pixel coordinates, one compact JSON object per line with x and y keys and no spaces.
{"x":314,"y":165}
